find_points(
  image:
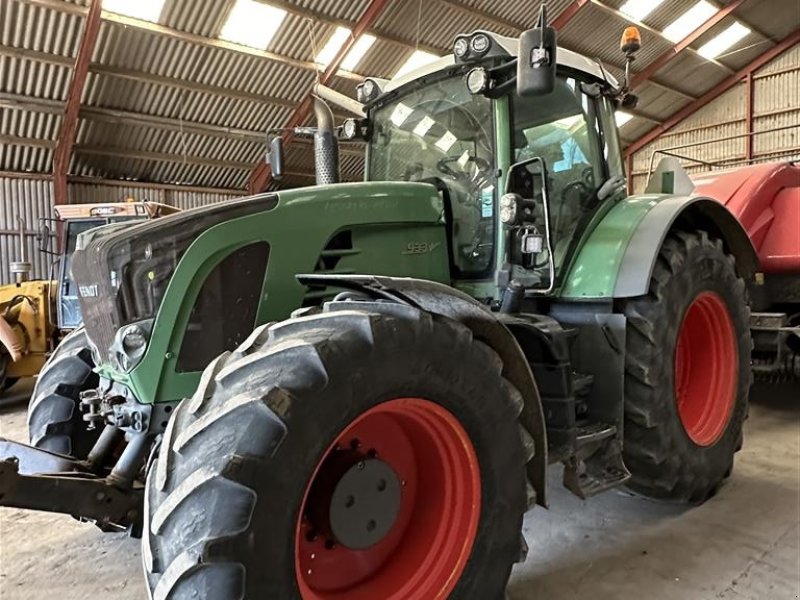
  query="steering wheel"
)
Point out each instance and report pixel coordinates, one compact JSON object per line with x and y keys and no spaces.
{"x":579,"y":186}
{"x":588,"y":177}
{"x":444,"y":166}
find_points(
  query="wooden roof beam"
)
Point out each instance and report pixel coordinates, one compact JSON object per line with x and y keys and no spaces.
{"x":69,"y":123}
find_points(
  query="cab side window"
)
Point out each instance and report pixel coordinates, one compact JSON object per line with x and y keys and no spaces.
{"x":563,"y":128}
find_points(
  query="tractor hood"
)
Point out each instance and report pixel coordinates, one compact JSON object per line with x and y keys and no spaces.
{"x":123,"y":275}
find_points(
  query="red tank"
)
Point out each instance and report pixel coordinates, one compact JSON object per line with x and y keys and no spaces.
{"x":766,"y":200}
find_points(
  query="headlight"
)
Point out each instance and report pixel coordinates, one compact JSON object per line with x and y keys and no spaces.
{"x":367,"y":91}
{"x":133,"y":339}
{"x":350,"y":129}
{"x":461,"y":47}
{"x":509,"y":207}
{"x":480,"y":43}
{"x":130,"y":344}
{"x":477,"y":80}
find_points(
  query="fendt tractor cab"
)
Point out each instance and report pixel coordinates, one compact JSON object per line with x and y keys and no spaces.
{"x":35,"y":315}
{"x":354,"y":390}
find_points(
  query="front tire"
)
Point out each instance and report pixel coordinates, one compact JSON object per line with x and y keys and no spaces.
{"x":55,"y":422}
{"x":241,"y":501}
{"x":5,"y":381}
{"x":687,"y":372}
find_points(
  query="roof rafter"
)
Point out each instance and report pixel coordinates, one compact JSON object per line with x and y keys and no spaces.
{"x":566,"y":15}
{"x":788,"y":42}
{"x":124,"y":117}
{"x":380,"y":34}
{"x":613,"y":11}
{"x":191,"y":38}
{"x":685,"y":43}
{"x":261,"y":176}
{"x":152,"y":78}
{"x":69,"y":123}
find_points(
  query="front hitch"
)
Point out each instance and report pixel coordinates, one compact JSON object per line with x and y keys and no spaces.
{"x":36,"y":479}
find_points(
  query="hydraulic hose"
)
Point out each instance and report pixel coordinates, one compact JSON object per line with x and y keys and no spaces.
{"x":10,"y":340}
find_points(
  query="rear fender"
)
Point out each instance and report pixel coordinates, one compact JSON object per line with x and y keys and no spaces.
{"x":618,"y":257}
{"x":440,"y":299}
{"x":638,"y":262}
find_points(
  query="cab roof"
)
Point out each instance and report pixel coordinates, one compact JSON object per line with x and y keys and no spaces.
{"x":564,"y":58}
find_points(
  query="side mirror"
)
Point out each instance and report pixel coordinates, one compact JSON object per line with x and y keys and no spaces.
{"x":530,"y":239}
{"x":528,"y":178}
{"x":275,"y":157}
{"x":536,"y":66}
{"x":44,"y":237}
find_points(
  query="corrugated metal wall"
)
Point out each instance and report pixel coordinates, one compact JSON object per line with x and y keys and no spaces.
{"x":30,"y":197}
{"x":776,"y":104}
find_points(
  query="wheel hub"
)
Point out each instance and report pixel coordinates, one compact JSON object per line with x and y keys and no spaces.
{"x":364,"y":504}
{"x":706,"y":369}
{"x":392,"y":509}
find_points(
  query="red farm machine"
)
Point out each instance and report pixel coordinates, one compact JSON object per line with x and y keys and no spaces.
{"x":766,"y":200}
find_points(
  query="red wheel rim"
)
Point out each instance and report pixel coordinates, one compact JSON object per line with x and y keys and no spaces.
{"x":706,"y":369}
{"x":425,"y":551}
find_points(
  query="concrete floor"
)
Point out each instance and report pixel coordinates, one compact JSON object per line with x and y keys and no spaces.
{"x":742,"y":544}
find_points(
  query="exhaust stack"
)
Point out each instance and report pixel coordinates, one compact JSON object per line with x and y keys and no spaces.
{"x":326,"y":145}
{"x":21,"y":269}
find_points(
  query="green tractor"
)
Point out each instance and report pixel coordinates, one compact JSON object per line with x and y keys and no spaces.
{"x":354,"y":390}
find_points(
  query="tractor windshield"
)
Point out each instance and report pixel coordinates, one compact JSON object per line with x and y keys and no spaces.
{"x":442,"y":134}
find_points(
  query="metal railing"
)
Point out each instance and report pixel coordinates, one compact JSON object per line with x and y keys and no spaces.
{"x":726,"y":162}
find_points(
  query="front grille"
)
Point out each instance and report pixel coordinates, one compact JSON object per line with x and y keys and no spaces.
{"x":338,"y":247}
{"x":123,"y":276}
{"x":98,"y":316}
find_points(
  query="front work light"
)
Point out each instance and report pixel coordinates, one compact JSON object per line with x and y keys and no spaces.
{"x":509,"y":209}
{"x":477,"y":80}
{"x":480,"y":43}
{"x":461,"y":47}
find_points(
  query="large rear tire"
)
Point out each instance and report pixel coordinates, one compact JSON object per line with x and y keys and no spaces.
{"x":688,"y":371}
{"x":55,"y":422}
{"x":243,"y":499}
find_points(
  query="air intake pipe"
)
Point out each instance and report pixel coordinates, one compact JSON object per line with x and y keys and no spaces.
{"x":326,"y":144}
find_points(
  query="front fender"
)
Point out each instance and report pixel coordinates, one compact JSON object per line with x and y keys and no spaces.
{"x":618,"y":258}
{"x":446,"y":301}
